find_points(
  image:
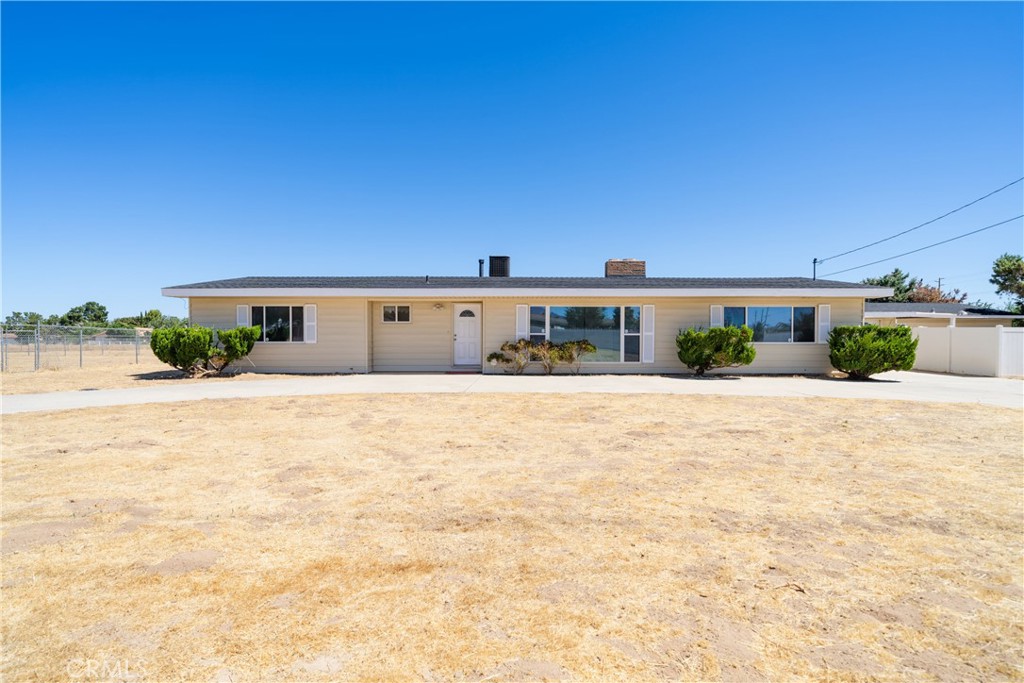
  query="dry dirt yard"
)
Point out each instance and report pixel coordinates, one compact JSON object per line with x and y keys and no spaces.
{"x":115,"y":370}
{"x":518,"y":537}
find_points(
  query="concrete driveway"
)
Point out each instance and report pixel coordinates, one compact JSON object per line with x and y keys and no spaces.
{"x":899,"y":386}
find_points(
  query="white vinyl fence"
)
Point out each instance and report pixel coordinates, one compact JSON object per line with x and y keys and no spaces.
{"x":982,"y":351}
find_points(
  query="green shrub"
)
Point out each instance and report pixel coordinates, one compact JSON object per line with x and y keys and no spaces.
{"x":186,"y":348}
{"x":572,"y":352}
{"x":720,"y":347}
{"x":193,"y":351}
{"x":235,"y":344}
{"x":864,"y":351}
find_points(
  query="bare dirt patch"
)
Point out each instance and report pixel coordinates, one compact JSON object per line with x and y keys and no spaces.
{"x":554,"y":537}
{"x":117,"y":370}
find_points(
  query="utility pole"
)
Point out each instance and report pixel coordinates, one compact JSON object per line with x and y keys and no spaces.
{"x":940,"y":286}
{"x":814,"y":275}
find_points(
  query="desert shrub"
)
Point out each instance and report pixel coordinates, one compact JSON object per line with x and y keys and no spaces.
{"x":720,"y":347}
{"x":548,"y":354}
{"x":572,"y":352}
{"x":513,"y":356}
{"x":864,"y":351}
{"x":193,"y":350}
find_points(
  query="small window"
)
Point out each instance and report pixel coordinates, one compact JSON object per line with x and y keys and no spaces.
{"x":803,"y":323}
{"x":538,"y":323}
{"x":735,"y":316}
{"x":467,"y":314}
{"x":396,"y":314}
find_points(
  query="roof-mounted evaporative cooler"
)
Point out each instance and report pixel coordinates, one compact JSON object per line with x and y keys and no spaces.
{"x":500,"y":266}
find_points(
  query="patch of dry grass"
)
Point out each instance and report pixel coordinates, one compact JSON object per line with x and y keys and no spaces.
{"x":515,"y":537}
{"x":116,"y":369}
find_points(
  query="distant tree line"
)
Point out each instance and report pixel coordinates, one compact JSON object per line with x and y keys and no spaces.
{"x":92,"y":314}
{"x":1007,"y":276}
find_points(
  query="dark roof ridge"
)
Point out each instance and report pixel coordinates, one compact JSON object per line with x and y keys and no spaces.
{"x":475,"y":282}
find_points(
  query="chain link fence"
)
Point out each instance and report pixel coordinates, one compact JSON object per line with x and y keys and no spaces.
{"x":45,"y":347}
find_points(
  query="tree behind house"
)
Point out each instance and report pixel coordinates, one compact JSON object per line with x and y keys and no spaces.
{"x":1008,"y":277}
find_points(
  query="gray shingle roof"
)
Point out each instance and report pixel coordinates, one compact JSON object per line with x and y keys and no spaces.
{"x":908,"y":308}
{"x":433,"y":282}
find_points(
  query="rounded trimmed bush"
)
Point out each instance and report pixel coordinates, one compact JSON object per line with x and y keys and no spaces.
{"x":864,"y":351}
{"x":720,"y":347}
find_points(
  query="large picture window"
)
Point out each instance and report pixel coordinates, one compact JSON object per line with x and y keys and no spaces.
{"x":279,"y":323}
{"x":774,"y":323}
{"x":614,"y":330}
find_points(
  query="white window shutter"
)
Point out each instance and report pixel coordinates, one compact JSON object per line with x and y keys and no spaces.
{"x":647,"y":344}
{"x":824,"y":322}
{"x":242,"y":316}
{"x":717,"y":316}
{"x":522,"y":321}
{"x":309,"y":322}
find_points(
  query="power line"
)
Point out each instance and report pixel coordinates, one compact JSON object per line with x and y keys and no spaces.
{"x":949,"y":213}
{"x":907,"y":253}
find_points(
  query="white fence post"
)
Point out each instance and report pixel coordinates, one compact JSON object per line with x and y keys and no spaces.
{"x":1011,"y":352}
{"x":81,"y":358}
{"x":36,"y":363}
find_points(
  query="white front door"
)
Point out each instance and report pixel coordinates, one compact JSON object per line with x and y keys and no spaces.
{"x":467,"y":334}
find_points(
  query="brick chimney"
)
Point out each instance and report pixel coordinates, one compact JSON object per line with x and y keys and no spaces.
{"x":625,"y":267}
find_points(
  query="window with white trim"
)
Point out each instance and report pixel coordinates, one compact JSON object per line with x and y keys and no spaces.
{"x":285,"y":323}
{"x":774,"y":324}
{"x":614,"y":330}
{"x":393,"y":313}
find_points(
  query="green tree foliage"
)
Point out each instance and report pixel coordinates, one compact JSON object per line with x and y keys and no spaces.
{"x":23,"y":319}
{"x":193,"y":350}
{"x":151,"y":318}
{"x":91,"y":314}
{"x":720,"y":347}
{"x":1008,"y":277}
{"x":913,"y":290}
{"x":864,"y":351}
{"x":902,"y":284}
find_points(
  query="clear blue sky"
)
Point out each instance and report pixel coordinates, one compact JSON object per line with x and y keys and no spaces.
{"x":154,"y":144}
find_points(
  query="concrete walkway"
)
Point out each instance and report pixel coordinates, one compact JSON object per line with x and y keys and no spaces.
{"x":899,"y":386}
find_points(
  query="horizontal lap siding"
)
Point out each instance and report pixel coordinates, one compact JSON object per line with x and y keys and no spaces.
{"x":670,"y":316}
{"x":341,"y":344}
{"x":423,"y":345}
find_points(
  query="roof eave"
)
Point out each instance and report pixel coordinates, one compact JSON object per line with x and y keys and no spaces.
{"x":506,"y":292}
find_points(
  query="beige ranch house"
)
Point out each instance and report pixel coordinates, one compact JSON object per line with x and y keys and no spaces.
{"x":451,"y":324}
